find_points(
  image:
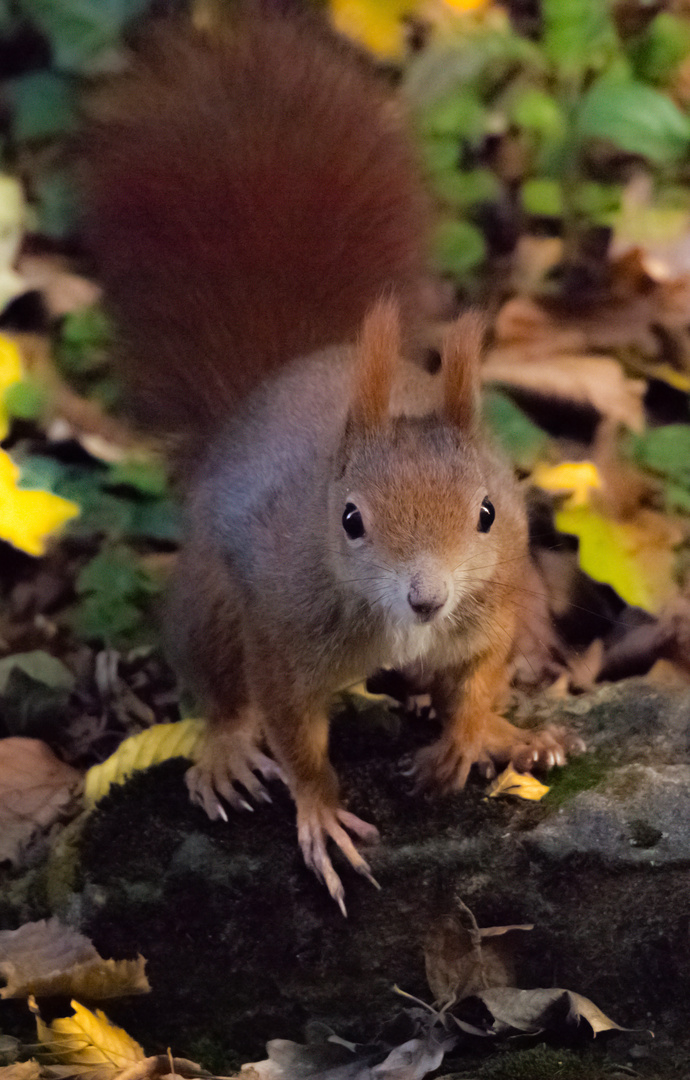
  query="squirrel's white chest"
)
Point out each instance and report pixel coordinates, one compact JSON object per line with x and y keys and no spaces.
{"x":411,"y":642}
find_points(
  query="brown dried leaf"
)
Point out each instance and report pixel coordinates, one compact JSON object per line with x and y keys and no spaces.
{"x":457,"y":965}
{"x":36,"y":788}
{"x":537,"y":1010}
{"x":21,"y":1070}
{"x":598,"y":381}
{"x":47,"y":959}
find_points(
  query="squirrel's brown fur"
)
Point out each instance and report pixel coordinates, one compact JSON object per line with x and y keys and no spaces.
{"x":252,"y":199}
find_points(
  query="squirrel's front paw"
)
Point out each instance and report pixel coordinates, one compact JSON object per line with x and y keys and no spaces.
{"x":445,"y":765}
{"x":317,"y":822}
{"x":227,"y":759}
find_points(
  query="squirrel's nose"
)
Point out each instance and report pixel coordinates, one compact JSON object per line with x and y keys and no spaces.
{"x":426,"y":603}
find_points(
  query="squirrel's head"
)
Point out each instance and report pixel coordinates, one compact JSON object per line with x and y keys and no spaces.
{"x":424,"y":513}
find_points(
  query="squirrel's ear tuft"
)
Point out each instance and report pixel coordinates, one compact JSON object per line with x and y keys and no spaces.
{"x":460,"y":359}
{"x":378,"y":350}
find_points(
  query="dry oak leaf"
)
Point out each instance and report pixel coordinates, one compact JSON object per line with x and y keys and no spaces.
{"x":47,"y":958}
{"x":36,"y":789}
{"x":533,"y":1011}
{"x":21,"y":1070}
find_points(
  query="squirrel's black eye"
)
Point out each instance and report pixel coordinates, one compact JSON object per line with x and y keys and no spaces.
{"x":352,"y":522}
{"x":486,"y":516}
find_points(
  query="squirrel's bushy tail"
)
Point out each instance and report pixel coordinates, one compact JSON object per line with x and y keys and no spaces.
{"x":250,"y":192}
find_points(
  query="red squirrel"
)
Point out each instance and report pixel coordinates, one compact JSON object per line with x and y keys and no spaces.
{"x":259,"y":225}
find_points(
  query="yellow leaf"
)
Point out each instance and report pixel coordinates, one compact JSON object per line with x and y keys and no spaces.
{"x":635,"y":557}
{"x":375,"y":23}
{"x":523,"y":785}
{"x":677,"y":379}
{"x":11,"y":372}
{"x":88,"y":1039}
{"x":28,"y":518}
{"x":466,"y":5}
{"x":157,"y":743}
{"x":578,"y":478}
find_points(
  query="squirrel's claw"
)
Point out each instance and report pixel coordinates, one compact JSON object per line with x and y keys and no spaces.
{"x":315,"y":823}
{"x":226,"y":760}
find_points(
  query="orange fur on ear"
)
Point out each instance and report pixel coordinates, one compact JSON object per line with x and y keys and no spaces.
{"x":460,"y":357}
{"x":378,"y":350}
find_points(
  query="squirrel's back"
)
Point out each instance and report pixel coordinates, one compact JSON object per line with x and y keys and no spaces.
{"x":250,"y":194}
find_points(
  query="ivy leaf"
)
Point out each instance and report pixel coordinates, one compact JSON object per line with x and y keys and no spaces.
{"x":636,"y":118}
{"x":115,"y":590}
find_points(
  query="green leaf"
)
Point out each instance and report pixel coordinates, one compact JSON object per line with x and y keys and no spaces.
{"x":114,"y":572}
{"x":598,"y":201}
{"x":578,"y":35}
{"x":107,"y":618}
{"x":26,"y":400}
{"x":521,"y":440}
{"x":44,"y":105}
{"x":38,"y":665}
{"x":657,"y":54}
{"x":31,"y":708}
{"x":115,"y":591}
{"x":441,"y":154}
{"x":56,"y":208}
{"x":677,"y":498}
{"x":463,"y":190}
{"x":542,"y":197}
{"x":78,"y":30}
{"x":460,"y":114}
{"x":145,"y":477}
{"x":635,"y":118}
{"x":664,"y":450}
{"x":84,"y":339}
{"x":157,"y":519}
{"x":459,"y":247}
{"x":536,"y":110}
